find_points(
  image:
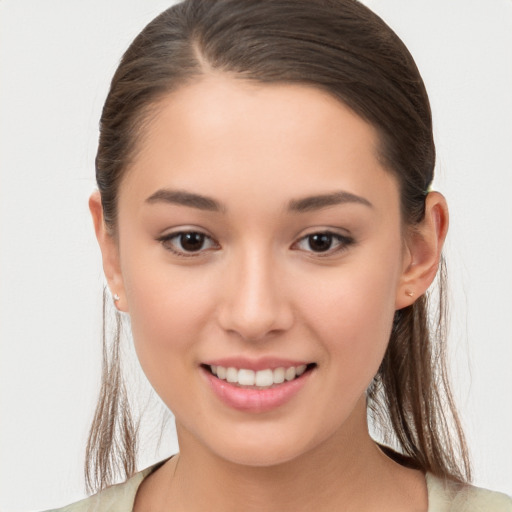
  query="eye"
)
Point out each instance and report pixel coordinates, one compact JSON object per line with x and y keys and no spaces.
{"x":188,"y":243}
{"x":324,"y":242}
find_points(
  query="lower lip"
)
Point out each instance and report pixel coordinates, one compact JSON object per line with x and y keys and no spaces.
{"x":255,"y":400}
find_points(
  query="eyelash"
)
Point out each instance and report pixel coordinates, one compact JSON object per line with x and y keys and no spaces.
{"x":343,"y":242}
{"x":167,"y":243}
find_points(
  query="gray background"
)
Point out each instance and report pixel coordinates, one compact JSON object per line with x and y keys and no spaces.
{"x":56,"y":59}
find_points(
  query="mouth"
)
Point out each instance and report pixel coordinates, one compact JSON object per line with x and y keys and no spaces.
{"x":267,"y":378}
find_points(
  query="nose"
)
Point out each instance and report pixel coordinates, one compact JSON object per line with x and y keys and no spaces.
{"x":255,"y":303}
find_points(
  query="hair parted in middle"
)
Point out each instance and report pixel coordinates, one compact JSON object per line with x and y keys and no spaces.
{"x":340,"y":47}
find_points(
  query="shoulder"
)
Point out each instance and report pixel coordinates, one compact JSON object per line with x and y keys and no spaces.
{"x":116,"y":498}
{"x":448,"y":496}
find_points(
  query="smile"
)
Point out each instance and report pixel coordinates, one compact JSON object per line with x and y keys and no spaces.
{"x":261,"y":379}
{"x":262,"y":389}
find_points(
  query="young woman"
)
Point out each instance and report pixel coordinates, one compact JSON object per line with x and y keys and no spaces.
{"x":266,"y":221}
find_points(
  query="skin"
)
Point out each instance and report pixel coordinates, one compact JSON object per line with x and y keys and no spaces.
{"x":257,"y":288}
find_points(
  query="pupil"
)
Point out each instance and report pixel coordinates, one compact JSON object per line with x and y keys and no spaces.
{"x":320,"y":242}
{"x":192,"y":241}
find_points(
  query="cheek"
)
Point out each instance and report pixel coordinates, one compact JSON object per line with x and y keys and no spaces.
{"x":168,"y":310}
{"x":353,"y":312}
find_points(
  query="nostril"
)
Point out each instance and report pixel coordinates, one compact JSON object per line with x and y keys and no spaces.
{"x":254,"y":307}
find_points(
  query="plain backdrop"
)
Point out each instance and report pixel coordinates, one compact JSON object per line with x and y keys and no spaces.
{"x":56,"y":60}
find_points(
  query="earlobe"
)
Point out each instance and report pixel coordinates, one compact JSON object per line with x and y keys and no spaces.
{"x":109,"y":252}
{"x":424,"y":245}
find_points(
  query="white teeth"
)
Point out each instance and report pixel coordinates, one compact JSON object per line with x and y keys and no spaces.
{"x":221,"y":372}
{"x":279,"y":375}
{"x":246,"y":377}
{"x":232,"y":374}
{"x":300,"y":370}
{"x":264,"y":378}
{"x":290,"y":373}
{"x":261,"y":379}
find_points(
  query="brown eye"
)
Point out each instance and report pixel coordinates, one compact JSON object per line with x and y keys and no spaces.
{"x":320,"y":242}
{"x":191,"y":242}
{"x":324,"y":242}
{"x":187,"y":243}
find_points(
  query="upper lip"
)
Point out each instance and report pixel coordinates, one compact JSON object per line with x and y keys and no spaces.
{"x":263,"y":363}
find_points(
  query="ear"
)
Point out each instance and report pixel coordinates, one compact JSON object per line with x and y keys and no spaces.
{"x":423,"y":251}
{"x":109,"y":251}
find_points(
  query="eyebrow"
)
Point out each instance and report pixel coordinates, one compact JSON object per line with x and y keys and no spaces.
{"x":305,"y":204}
{"x":184,"y":198}
{"x":312,"y":203}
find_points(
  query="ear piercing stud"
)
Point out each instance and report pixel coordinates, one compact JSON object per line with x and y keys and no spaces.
{"x":115,"y":297}
{"x":409,"y":293}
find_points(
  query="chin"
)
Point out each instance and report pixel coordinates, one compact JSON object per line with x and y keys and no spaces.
{"x":265,"y":447}
{"x":260,"y":456}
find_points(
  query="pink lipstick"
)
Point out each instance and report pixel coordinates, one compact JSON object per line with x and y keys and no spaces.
{"x":256,"y":385}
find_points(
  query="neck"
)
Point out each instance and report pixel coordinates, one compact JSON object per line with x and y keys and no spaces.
{"x":346,"y":472}
{"x":294,"y":485}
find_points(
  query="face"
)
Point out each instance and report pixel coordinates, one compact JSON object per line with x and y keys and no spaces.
{"x":259,"y":240}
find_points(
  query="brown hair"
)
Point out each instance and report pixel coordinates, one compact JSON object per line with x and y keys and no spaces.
{"x":341,"y":47}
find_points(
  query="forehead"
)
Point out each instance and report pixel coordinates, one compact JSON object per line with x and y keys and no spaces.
{"x":222,"y":133}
